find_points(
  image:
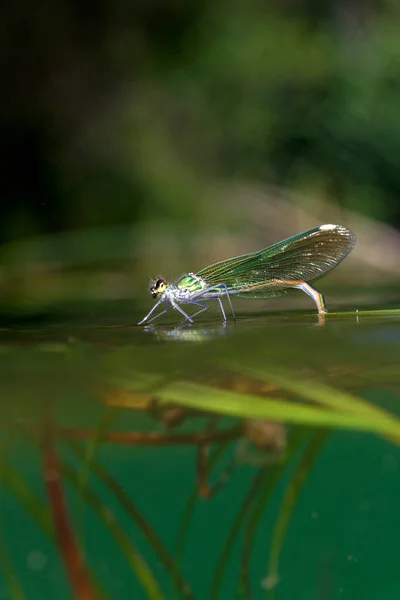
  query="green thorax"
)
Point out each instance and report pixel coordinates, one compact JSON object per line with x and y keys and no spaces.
{"x":190,"y":282}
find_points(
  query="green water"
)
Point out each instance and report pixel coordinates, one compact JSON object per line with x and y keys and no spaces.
{"x":326,"y":531}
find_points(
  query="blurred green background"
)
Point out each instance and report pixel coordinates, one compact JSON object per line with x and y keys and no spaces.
{"x":166,"y":135}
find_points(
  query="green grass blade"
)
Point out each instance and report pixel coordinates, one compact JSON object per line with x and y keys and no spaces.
{"x":237,"y":404}
{"x":106,"y":420}
{"x":191,"y":501}
{"x":139,"y":565}
{"x":15,"y":484}
{"x":15,"y":591}
{"x":233,"y":533}
{"x":295,"y":440}
{"x":315,"y":391}
{"x":128,"y":505}
{"x":190,"y":505}
{"x":291,"y":493}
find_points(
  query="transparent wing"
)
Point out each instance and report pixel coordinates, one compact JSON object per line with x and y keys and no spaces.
{"x":303,"y":257}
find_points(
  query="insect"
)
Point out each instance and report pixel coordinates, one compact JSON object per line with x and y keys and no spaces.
{"x":290,"y":264}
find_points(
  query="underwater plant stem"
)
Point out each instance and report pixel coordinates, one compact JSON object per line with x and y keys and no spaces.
{"x":134,"y":513}
{"x":154,"y":438}
{"x":73,"y":562}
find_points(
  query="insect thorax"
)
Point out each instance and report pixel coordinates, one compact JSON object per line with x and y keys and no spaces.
{"x":189,"y":284}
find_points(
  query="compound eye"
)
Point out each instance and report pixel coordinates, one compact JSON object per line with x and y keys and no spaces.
{"x":158,"y":288}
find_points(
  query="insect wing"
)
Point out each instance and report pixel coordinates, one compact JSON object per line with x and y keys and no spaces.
{"x":306,"y":256}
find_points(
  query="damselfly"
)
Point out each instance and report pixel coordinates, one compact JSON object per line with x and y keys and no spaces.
{"x":287,"y":265}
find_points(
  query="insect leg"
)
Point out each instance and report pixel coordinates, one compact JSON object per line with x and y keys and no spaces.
{"x":315,"y":295}
{"x":227,"y":294}
{"x":146,"y":318}
{"x":222,"y":309}
{"x":214,"y":293}
{"x":149,"y":313}
{"x":178,"y":308}
{"x":159,"y":314}
{"x":202,"y":309}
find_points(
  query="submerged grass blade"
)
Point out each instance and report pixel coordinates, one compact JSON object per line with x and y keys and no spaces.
{"x":104,"y":425}
{"x":190,"y":504}
{"x":317,"y":392}
{"x":295,"y":440}
{"x":140,"y":567}
{"x":291,"y":493}
{"x":128,"y":505}
{"x":93,"y":442}
{"x":233,"y":533}
{"x":12,"y":481}
{"x":14,"y":588}
{"x":237,"y":404}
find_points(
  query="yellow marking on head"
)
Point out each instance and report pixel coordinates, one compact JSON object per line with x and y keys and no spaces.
{"x":157,"y":288}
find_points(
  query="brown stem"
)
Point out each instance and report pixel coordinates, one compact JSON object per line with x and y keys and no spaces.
{"x":77,"y":574}
{"x":202,"y":483}
{"x":153,"y":438}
